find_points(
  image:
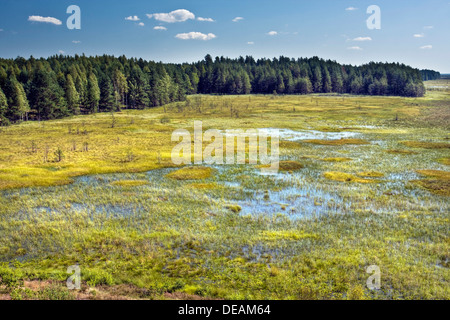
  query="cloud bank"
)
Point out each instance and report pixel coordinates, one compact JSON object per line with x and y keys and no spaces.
{"x":195,"y":36}
{"x":179,"y":15}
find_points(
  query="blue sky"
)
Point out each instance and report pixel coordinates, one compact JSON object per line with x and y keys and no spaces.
{"x":413,"y":32}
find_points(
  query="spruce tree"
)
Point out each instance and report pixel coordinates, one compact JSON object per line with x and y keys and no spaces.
{"x":93,"y":94}
{"x":72,"y":96}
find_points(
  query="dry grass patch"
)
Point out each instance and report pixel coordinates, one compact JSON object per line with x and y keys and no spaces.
{"x":445,"y":161}
{"x":436,"y":186}
{"x":290,"y":165}
{"x":289,"y":145}
{"x":438,"y":182}
{"x":426,"y":145}
{"x":435,"y":174}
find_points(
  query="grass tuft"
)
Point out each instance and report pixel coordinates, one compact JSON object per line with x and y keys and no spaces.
{"x":191,"y":173}
{"x":345,"y":177}
{"x":426,"y":145}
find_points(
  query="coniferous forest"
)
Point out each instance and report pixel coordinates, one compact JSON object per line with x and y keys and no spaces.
{"x":60,"y":86}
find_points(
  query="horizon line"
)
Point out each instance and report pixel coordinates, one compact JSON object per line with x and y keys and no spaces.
{"x":226,"y":57}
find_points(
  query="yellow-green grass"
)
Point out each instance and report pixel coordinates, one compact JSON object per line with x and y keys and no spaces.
{"x":139,"y":142}
{"x":233,"y":207}
{"x":129,"y":183}
{"x":445,"y":161}
{"x":172,"y":239}
{"x":191,"y":173}
{"x":345,"y":177}
{"x":435,"y":174}
{"x":289,"y":165}
{"x":204,"y":186}
{"x":340,"y":142}
{"x":293,"y":235}
{"x":337,"y":159}
{"x":289,"y":145}
{"x":399,"y":151}
{"x":370,"y":174}
{"x":426,"y":144}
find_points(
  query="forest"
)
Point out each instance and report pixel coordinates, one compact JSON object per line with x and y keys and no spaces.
{"x":428,"y":75}
{"x":60,"y":86}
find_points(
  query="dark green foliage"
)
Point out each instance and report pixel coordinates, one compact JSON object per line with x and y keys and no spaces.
{"x":61,"y":86}
{"x":430,"y":75}
{"x":93,"y":94}
{"x":72,"y":96}
{"x":3,"y":109}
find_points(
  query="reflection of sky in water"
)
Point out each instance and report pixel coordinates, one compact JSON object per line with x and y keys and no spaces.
{"x":291,"y":135}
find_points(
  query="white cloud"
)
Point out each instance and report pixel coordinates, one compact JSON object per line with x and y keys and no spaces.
{"x":160,"y":28}
{"x":205,"y":19}
{"x":428,"y":27}
{"x":272,"y":33}
{"x":351,"y":9}
{"x":363,"y":39}
{"x":195,"y":36}
{"x":419,"y":35}
{"x":354,"y":48}
{"x":61,"y":52}
{"x":427,"y":47}
{"x":132,"y":18}
{"x":76,"y":41}
{"x":179,"y":15}
{"x":1,"y":30}
{"x":237,"y":19}
{"x":141,"y":24}
{"x":45,"y":19}
{"x":250,"y":43}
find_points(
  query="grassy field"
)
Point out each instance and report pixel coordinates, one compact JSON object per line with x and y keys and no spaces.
{"x":366,"y":183}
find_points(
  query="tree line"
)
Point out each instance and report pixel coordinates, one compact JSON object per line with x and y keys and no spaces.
{"x":430,"y":75}
{"x":60,"y":86}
